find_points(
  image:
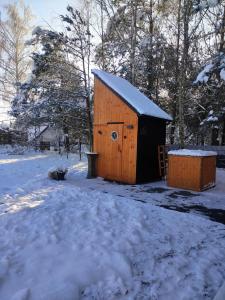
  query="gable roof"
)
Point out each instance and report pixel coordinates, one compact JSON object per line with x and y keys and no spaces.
{"x":131,"y":95}
{"x":40,"y":133}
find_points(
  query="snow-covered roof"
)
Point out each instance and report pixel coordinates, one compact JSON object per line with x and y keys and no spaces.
{"x":187,"y":152}
{"x":131,"y":95}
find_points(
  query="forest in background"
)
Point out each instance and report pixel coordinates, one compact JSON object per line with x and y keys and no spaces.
{"x":172,"y":50}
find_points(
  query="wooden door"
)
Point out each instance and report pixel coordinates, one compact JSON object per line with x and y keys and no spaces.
{"x":114,"y":148}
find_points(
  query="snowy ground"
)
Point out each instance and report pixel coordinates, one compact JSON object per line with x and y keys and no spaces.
{"x":91,"y":239}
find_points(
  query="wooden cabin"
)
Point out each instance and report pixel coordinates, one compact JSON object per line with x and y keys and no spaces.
{"x":128,"y":127}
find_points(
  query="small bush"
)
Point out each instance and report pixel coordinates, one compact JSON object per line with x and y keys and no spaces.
{"x":58,"y":173}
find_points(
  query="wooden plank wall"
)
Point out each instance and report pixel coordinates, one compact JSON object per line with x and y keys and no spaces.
{"x":108,"y":107}
{"x":193,"y":173}
{"x":184,"y":172}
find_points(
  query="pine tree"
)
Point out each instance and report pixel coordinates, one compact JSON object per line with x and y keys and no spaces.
{"x":54,"y":94}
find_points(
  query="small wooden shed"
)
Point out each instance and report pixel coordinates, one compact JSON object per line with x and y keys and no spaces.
{"x":128,"y":128}
{"x":192,"y":169}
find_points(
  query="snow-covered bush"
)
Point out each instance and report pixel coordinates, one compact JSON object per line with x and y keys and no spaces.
{"x":14,"y":149}
{"x":57,"y":173}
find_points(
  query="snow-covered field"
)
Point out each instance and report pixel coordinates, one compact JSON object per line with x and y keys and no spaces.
{"x":91,"y":239}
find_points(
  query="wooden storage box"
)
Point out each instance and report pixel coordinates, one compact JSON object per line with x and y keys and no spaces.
{"x":191,"y":169}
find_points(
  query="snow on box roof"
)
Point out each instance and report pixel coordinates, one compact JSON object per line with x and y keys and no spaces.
{"x":138,"y":101}
{"x":187,"y":152}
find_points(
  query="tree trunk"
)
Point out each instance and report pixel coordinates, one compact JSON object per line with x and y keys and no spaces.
{"x":133,"y":40}
{"x":172,"y":133}
{"x":182,"y":95}
{"x":214,"y":137}
{"x":87,"y":81}
{"x":102,"y":35}
{"x":223,"y":133}
{"x":222,"y":33}
{"x":79,"y":146}
{"x":176,"y":89}
{"x":150,"y":78}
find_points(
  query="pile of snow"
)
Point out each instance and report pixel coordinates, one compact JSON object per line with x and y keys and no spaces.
{"x":69,"y":245}
{"x":60,"y":168}
{"x":187,"y":152}
{"x":212,"y":119}
{"x":208,"y":3}
{"x":203,"y":75}
{"x":222,"y":74}
{"x":217,"y":64}
{"x":205,"y":4}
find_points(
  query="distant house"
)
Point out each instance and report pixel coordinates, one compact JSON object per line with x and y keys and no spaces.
{"x":46,"y":137}
{"x":128,"y":128}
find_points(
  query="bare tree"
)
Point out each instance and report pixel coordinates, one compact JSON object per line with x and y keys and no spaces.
{"x":14,"y":54}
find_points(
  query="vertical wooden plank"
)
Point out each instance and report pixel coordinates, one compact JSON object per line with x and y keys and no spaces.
{"x":129,"y":158}
{"x":114,"y":148}
{"x":100,"y":138}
